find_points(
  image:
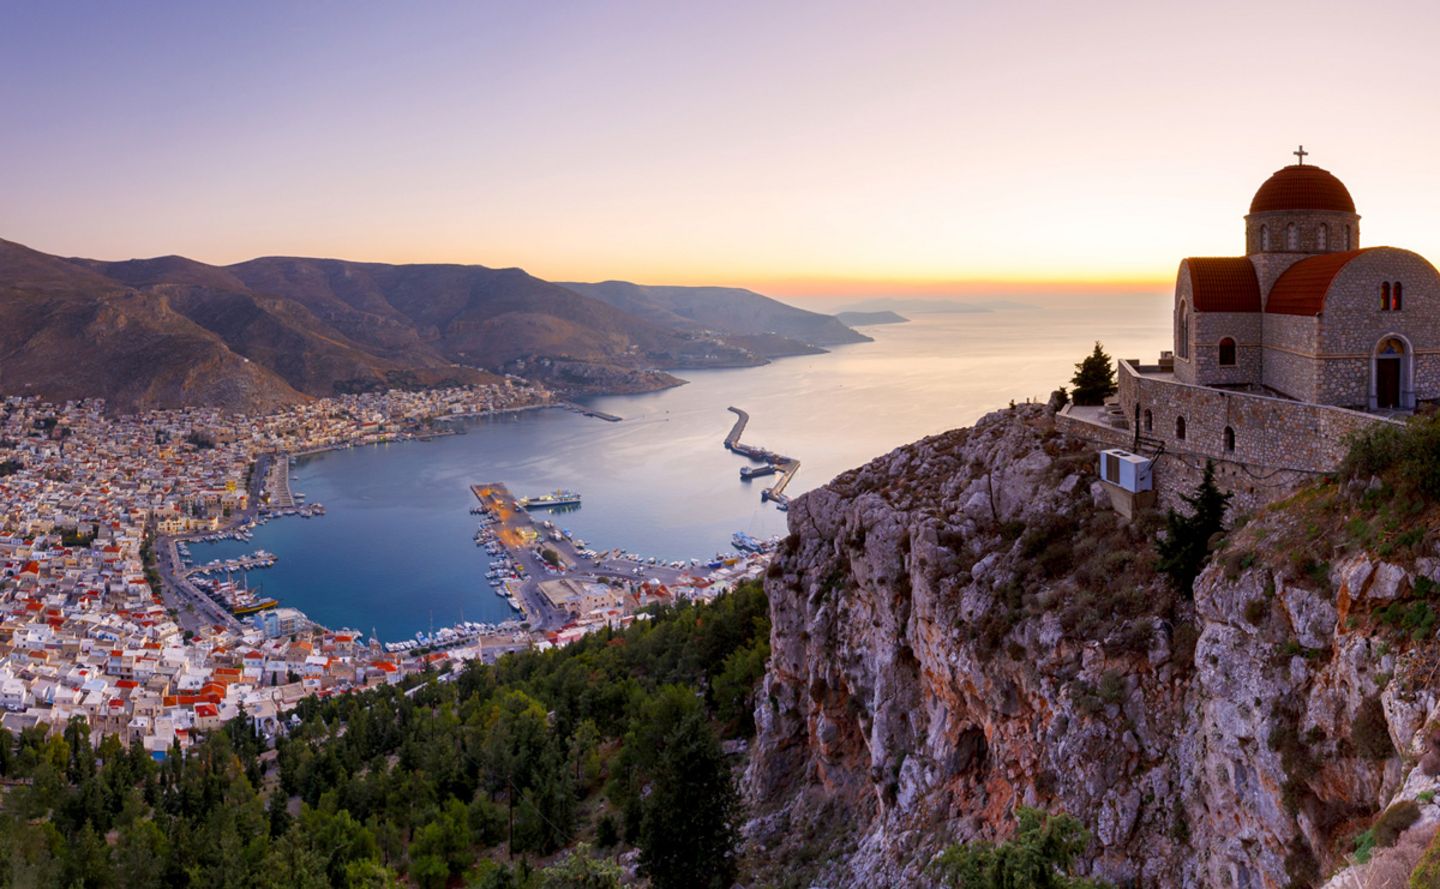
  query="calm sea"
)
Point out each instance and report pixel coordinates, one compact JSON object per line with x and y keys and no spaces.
{"x":395,"y":550}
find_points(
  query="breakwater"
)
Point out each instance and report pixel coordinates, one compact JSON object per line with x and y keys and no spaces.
{"x":784,"y":467}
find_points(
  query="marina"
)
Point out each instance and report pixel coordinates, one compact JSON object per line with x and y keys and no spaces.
{"x":259,"y":559}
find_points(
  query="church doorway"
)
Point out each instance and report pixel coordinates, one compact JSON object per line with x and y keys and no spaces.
{"x":1390,"y":376}
{"x":1387,"y":383}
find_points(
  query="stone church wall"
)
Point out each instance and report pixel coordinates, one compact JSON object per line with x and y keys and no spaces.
{"x":1185,"y":368}
{"x":1290,"y":367}
{"x":1243,"y":327}
{"x":1270,"y":266}
{"x":1354,"y":325}
{"x":1307,"y":226}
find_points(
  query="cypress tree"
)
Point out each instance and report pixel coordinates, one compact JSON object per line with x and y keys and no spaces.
{"x":1186,"y":544}
{"x":1094,"y":379}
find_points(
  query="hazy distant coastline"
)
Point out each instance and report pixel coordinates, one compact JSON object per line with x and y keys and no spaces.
{"x":905,"y":308}
{"x":863,"y":319}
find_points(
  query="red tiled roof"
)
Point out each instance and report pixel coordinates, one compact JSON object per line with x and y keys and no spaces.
{"x":1301,"y":289}
{"x":1224,"y":284}
{"x":1305,"y":187}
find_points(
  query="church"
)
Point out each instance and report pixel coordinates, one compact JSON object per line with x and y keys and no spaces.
{"x":1307,"y":313}
{"x":1281,"y":355}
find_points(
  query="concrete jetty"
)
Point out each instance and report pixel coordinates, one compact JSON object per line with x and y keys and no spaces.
{"x":591,"y":412}
{"x":278,"y":484}
{"x":786,"y":467}
{"x":776,"y":491}
{"x":741,"y":418}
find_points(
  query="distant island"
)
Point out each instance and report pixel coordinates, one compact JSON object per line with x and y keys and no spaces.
{"x":863,"y":319}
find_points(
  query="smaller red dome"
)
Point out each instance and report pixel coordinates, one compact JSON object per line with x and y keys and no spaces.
{"x":1302,"y":187}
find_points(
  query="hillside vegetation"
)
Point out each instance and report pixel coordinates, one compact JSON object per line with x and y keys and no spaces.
{"x":481,"y":776}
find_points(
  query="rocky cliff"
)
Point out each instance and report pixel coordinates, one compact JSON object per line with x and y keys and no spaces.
{"x":963,"y":626}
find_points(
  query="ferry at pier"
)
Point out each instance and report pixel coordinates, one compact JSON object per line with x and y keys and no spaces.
{"x":745,"y":543}
{"x":546,"y":501}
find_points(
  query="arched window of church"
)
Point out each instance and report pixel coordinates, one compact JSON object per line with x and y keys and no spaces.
{"x":1385,"y":297}
{"x":1292,"y":237}
{"x":1227,"y":352}
{"x":1180,"y":428}
{"x":1149,"y":421}
{"x":1229,"y":440}
{"x":1347,"y":237}
{"x":1182,"y":348}
{"x":1322,"y":238}
{"x":1395,"y":296}
{"x":1264,"y":237}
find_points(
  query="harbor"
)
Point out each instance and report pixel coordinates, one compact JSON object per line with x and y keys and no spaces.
{"x":773,"y":463}
{"x":395,"y":551}
{"x":557,"y":581}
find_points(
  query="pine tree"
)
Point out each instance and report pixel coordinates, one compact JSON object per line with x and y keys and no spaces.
{"x":1094,"y":378}
{"x":1186,"y":544}
{"x":687,"y":833}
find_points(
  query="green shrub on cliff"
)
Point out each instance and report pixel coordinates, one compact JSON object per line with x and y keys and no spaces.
{"x":1427,"y":871}
{"x":1407,"y":456}
{"x":1041,"y":856}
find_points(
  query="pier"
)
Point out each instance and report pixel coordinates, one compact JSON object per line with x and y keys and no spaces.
{"x":776,"y":492}
{"x":786,"y":467}
{"x":732,"y":441}
{"x":591,"y":412}
{"x":277,"y":484}
{"x":524,"y":542}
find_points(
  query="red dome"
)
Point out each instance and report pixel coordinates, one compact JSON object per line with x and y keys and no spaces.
{"x":1302,"y":187}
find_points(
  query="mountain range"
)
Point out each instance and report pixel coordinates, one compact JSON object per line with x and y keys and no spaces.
{"x":171,"y":331}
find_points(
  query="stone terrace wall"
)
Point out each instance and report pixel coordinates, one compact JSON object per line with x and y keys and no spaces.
{"x":1270,"y":433}
{"x":1279,"y":444}
{"x":1178,"y":473}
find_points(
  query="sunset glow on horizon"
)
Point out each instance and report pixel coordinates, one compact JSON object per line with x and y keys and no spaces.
{"x":806,"y":149}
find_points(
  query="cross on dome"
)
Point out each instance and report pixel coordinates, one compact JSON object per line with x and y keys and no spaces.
{"x":1301,"y":153}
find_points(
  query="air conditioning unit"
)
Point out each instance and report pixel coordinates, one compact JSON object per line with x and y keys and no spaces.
{"x":1130,"y":472}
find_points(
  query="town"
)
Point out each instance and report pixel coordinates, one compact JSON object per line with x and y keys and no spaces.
{"x":102,"y":617}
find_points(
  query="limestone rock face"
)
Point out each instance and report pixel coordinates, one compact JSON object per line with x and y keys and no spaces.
{"x":911,"y":703}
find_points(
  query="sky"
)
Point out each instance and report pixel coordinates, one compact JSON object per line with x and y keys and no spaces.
{"x":804,"y":149}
